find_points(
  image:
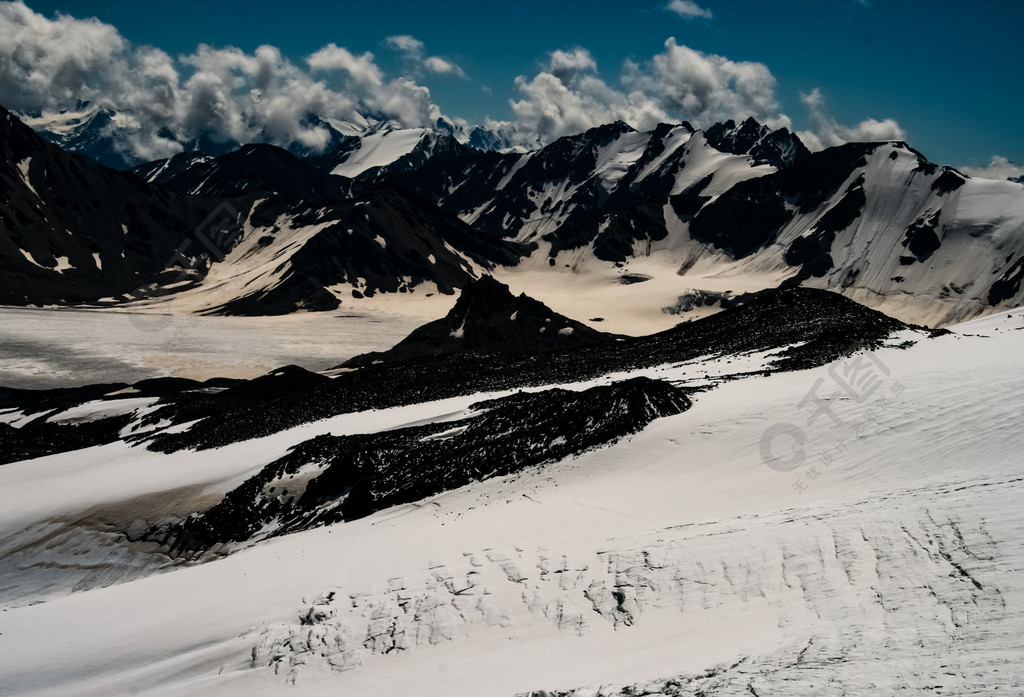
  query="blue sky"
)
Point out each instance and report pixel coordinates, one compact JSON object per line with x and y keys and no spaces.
{"x":943,"y":73}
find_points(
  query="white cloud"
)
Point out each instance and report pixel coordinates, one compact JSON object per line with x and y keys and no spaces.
{"x":563,"y":64}
{"x":550,"y":108}
{"x":417,"y":60}
{"x":362,"y":68}
{"x":45,"y":61}
{"x":998,"y":168}
{"x":687,"y":9}
{"x":443,"y":67}
{"x":568,"y":97}
{"x":404,"y":42}
{"x":705,"y":88}
{"x":223,"y":94}
{"x":826,"y":132}
{"x":230,"y":95}
{"x":680,"y":83}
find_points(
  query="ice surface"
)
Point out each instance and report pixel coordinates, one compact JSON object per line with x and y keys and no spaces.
{"x":41,"y":348}
{"x":891,"y":559}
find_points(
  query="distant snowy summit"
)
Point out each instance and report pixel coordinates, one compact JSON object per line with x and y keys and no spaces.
{"x":113,"y":137}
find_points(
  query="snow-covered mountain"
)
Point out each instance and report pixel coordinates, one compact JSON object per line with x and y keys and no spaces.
{"x":73,"y":231}
{"x":577,"y":180}
{"x":264,"y":170}
{"x":255,"y":231}
{"x":671,"y":223}
{"x":106,"y":135}
{"x":881,"y":224}
{"x":643,"y":428}
{"x":778,"y":148}
{"x":399,"y":150}
{"x":87,"y":129}
{"x":294,"y":254}
{"x":707,"y":215}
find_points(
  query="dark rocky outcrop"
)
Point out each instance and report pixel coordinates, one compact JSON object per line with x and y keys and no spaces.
{"x":486,"y":319}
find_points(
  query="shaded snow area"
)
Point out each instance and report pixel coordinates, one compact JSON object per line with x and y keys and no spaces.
{"x":852,"y":529}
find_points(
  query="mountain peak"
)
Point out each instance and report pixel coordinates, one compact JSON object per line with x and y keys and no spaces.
{"x":257,"y":168}
{"x":778,"y":148}
{"x":488,"y":318}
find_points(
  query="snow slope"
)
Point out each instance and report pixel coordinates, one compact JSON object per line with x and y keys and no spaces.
{"x":889,"y":559}
{"x":380,"y":149}
{"x":697,"y":214}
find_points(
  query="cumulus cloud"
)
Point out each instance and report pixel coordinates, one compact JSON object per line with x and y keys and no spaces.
{"x":563,"y":64}
{"x":417,"y":60}
{"x":568,"y":95}
{"x":45,"y":61}
{"x":705,"y":88}
{"x":687,"y":9}
{"x":826,"y":132}
{"x":362,"y":68}
{"x":443,"y":67}
{"x":223,"y":95}
{"x":998,"y":168}
{"x":404,"y":42}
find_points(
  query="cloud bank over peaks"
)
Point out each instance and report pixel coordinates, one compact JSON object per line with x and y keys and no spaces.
{"x":826,"y":132}
{"x":569,"y":95}
{"x":227,"y":95}
{"x":221,"y":94}
{"x":998,"y":168}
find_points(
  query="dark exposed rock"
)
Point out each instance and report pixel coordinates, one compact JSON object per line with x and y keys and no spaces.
{"x":949,"y":180}
{"x":46,"y":400}
{"x":73,"y":231}
{"x":826,"y":326}
{"x":1008,"y":284}
{"x":487,"y":318}
{"x":743,"y":220}
{"x":688,"y":203}
{"x":259,"y":170}
{"x":362,"y":474}
{"x":700,"y":298}
{"x":750,"y":215}
{"x":39,"y":437}
{"x":921,"y":238}
{"x":813,"y":251}
{"x":778,"y":148}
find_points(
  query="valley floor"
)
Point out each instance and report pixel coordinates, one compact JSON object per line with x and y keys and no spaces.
{"x":702,"y":556}
{"x":60,"y":347}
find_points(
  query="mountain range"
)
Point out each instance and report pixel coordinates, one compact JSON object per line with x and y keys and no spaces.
{"x":703,"y":217}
